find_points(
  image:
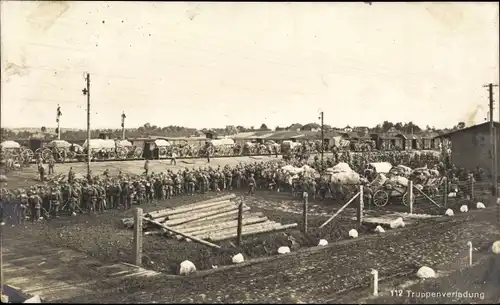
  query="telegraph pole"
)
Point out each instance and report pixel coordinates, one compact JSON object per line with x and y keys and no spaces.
{"x":86,"y":91}
{"x":322,"y":117}
{"x":123,"y":125}
{"x":494,"y":174}
{"x":58,"y":123}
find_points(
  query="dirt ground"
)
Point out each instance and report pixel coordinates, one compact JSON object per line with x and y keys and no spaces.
{"x":337,"y":274}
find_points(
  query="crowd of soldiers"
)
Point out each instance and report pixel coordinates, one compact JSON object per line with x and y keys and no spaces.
{"x":96,"y":193}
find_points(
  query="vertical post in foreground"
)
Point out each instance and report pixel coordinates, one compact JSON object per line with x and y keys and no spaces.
{"x":445,"y":193}
{"x":470,"y":252}
{"x":305,"y":201}
{"x":137,"y":246}
{"x":240,"y":223}
{"x":360,"y":207}
{"x":375,"y":282}
{"x":410,"y":196}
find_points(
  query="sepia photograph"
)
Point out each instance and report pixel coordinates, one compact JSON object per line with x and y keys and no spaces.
{"x":250,"y":152}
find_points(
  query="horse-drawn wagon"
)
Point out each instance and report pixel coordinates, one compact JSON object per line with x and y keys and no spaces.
{"x":13,"y":150}
{"x":219,"y":147}
{"x":126,"y":150}
{"x":342,"y":180}
{"x":163,"y":148}
{"x":290,"y":149}
{"x":59,"y":149}
{"x":100,"y":149}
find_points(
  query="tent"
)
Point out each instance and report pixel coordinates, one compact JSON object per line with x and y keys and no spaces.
{"x":10,"y":144}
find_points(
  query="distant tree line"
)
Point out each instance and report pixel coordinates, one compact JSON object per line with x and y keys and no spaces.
{"x":178,"y":131}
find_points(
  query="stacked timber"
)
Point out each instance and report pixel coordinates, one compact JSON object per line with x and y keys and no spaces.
{"x":214,"y":219}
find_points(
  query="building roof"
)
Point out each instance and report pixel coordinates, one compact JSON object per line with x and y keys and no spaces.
{"x":478,"y":126}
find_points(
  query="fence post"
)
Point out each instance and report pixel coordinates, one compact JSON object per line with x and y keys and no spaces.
{"x":240,"y":224}
{"x":472,"y":191}
{"x":375,"y":282}
{"x":305,"y":200}
{"x":360,"y":207}
{"x":137,"y":246}
{"x":470,"y":252}
{"x":445,"y":195}
{"x":410,"y":196}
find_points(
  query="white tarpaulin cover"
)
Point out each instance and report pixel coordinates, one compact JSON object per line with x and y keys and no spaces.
{"x":381,"y":167}
{"x":10,"y":144}
{"x":59,"y":144}
{"x":220,"y":142}
{"x":123,"y":143}
{"x":398,"y":180}
{"x":250,"y":144}
{"x":162,"y":143}
{"x":100,"y":144}
{"x":340,"y":168}
{"x":345,"y":178}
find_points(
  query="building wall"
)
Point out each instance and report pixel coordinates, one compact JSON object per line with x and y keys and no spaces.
{"x":471,"y":149}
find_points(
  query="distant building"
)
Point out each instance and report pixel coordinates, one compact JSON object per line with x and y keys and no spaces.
{"x":471,"y":146}
{"x":363,"y":129}
{"x":347,"y":129}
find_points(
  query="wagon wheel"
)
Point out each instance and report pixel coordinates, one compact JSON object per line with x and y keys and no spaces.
{"x":71,"y":155}
{"x":46,"y":153}
{"x":404,"y":199}
{"x":62,"y":154}
{"x":162,"y":152}
{"x":122,"y":153}
{"x":111,"y":154}
{"x":380,"y":198}
{"x":138,"y":152}
{"x":28,"y":155}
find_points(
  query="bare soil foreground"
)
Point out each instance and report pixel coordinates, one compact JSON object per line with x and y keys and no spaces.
{"x":335,"y":274}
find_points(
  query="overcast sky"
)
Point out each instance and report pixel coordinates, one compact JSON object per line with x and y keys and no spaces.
{"x":216,"y":64}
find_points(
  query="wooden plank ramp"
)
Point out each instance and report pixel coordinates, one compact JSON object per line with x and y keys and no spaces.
{"x":215,"y":219}
{"x":57,"y":274}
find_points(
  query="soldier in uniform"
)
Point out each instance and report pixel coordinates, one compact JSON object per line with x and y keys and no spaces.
{"x":55,"y":198}
{"x":146,"y":167}
{"x":251,"y":185}
{"x":36,"y":204}
{"x":71,"y":176}
{"x":23,"y":206}
{"x":52,"y":163}
{"x":117,"y":192}
{"x":125,"y":195}
{"x":229,"y":178}
{"x":41,"y":171}
{"x":131,"y":196}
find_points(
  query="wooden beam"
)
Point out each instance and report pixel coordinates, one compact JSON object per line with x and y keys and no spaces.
{"x":193,"y":238}
{"x":199,"y":216}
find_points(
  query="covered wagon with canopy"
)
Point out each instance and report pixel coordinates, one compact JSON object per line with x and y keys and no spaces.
{"x":126,"y":150}
{"x":373,"y":169}
{"x":163,"y":147}
{"x":11,"y":150}
{"x":100,"y":149}
{"x":219,"y":147}
{"x":343,"y":181}
{"x":59,"y":149}
{"x":289,"y":149}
